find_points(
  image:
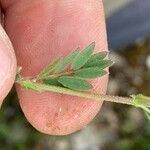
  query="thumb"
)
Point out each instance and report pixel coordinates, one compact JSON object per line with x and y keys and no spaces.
{"x":41,"y":31}
{"x":7,"y":65}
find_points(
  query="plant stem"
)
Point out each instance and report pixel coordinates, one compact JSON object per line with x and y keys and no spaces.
{"x":50,"y":88}
{"x":52,"y":76}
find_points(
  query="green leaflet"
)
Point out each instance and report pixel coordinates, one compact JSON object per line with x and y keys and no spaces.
{"x":102,"y":64}
{"x":141,"y":99}
{"x":146,"y":110}
{"x":99,"y":56}
{"x":75,"y":83}
{"x":66,"y":61}
{"x":50,"y":68}
{"x":52,"y":81}
{"x":147,"y":114}
{"x":90,"y":73}
{"x":142,"y":102}
{"x":83,"y":57}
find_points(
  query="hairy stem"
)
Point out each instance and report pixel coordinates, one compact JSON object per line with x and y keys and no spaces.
{"x":50,"y":88}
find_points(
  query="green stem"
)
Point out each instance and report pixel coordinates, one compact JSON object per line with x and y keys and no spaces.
{"x":52,"y":76}
{"x":50,"y":88}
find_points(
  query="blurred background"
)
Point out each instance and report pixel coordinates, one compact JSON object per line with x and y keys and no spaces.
{"x":116,"y":127}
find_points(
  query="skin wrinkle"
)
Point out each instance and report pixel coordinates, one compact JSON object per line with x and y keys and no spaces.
{"x":39,"y":37}
{"x":67,"y":24}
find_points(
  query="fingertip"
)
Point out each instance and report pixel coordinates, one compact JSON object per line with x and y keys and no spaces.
{"x":7,"y":65}
{"x":64,"y":25}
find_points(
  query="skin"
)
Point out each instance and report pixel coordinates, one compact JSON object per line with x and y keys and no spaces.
{"x":41,"y":31}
